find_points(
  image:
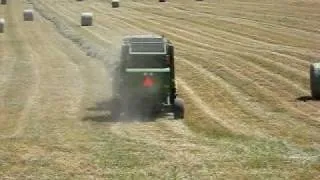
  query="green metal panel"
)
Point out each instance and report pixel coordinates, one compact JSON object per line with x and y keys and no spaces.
{"x":134,"y":79}
{"x":147,"y":70}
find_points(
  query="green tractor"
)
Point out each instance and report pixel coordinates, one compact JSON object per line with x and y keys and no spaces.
{"x":144,"y":80}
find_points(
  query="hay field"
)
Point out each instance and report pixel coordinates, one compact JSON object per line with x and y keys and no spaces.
{"x":242,"y":69}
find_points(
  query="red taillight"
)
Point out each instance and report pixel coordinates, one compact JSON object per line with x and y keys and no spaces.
{"x":148,"y":81}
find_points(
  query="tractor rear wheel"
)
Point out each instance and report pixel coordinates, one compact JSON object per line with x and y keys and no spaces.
{"x":178,"y":109}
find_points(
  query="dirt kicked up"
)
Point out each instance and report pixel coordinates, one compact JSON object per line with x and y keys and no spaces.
{"x":242,"y":69}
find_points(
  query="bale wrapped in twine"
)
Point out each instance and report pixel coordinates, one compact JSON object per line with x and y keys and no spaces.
{"x":115,"y":3}
{"x":2,"y":24}
{"x":86,"y":19}
{"x":28,"y":15}
{"x":3,"y":1}
{"x":315,"y":80}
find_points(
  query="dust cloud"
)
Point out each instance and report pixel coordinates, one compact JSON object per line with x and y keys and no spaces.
{"x":109,"y":54}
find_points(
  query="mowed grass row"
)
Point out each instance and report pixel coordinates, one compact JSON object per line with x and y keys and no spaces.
{"x":44,"y":141}
{"x":210,"y":35}
{"x":233,"y":41}
{"x":257,"y":59}
{"x":7,"y":62}
{"x":298,"y":15}
{"x":17,"y":92}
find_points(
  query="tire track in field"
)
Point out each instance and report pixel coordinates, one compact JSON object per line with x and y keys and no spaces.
{"x":54,"y":114}
{"x":267,"y":121}
{"x":245,"y":9}
{"x":263,"y":83}
{"x":55,"y":119}
{"x":204,"y":20}
{"x":7,"y":64}
{"x":247,"y":12}
{"x":82,"y":82}
{"x":277,"y":120}
{"x":180,"y":147}
{"x":233,"y":127}
{"x":21,"y":50}
{"x":205,"y":9}
{"x":204,"y":26}
{"x":61,"y":87}
{"x":273,"y":8}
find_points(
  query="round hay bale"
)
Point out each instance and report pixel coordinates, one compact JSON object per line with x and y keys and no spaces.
{"x":28,"y":15}
{"x":2,"y":24}
{"x":86,"y":19}
{"x":315,"y":80}
{"x":115,"y":3}
{"x":3,"y":1}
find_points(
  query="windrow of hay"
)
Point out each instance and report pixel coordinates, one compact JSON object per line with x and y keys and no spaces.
{"x":86,"y":19}
{"x":2,"y":24}
{"x":115,"y":3}
{"x":106,"y":54}
{"x":28,"y":15}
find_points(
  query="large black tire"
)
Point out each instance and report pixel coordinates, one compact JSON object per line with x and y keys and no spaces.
{"x":178,"y":109}
{"x":115,"y":109}
{"x":314,"y":82}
